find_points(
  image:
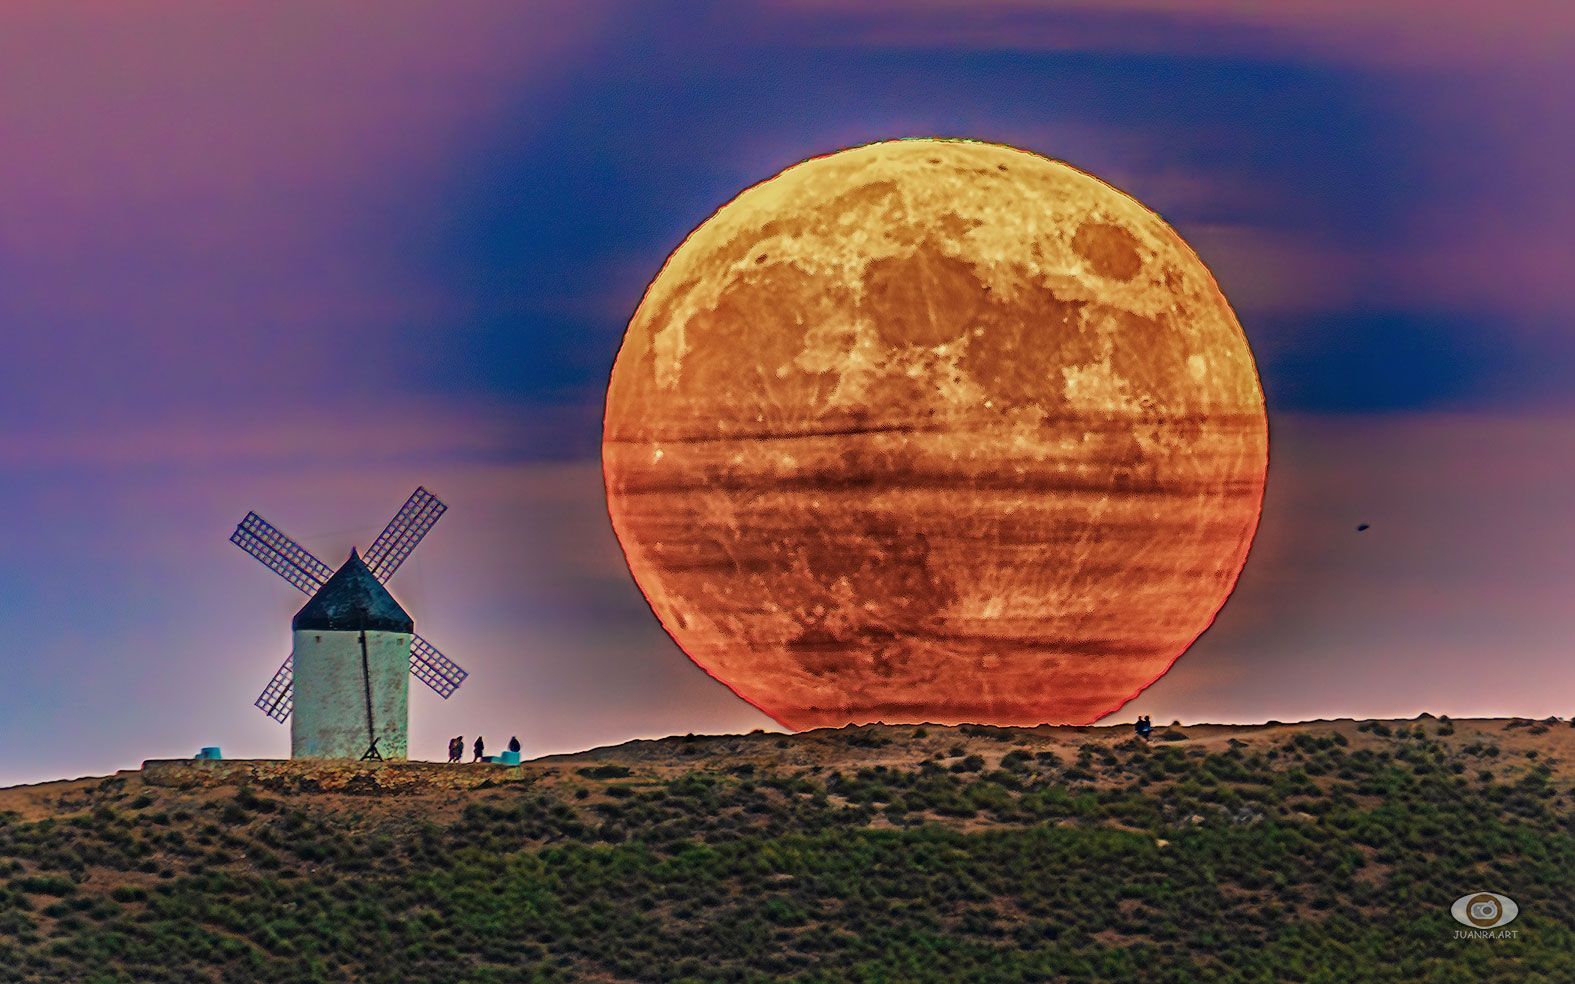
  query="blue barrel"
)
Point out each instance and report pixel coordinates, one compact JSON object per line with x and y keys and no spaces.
{"x":509,"y":758}
{"x":210,"y":752}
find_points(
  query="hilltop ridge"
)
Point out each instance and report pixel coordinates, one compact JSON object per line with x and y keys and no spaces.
{"x":923,"y":853}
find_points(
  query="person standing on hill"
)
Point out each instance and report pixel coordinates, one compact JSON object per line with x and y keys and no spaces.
{"x":481,"y":748}
{"x":456,"y":748}
{"x":514,"y":745}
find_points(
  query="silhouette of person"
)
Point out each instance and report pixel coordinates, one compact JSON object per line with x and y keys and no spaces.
{"x":481,"y":748}
{"x":514,"y":745}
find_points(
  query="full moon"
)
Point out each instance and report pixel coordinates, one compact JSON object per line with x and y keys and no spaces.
{"x":934,"y":430}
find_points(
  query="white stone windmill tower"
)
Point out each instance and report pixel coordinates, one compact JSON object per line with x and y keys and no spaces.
{"x":345,"y":680}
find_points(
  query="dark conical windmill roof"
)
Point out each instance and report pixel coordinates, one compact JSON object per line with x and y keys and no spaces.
{"x":353,"y":599}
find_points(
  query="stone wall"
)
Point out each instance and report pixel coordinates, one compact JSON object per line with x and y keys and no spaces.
{"x":329,"y":775}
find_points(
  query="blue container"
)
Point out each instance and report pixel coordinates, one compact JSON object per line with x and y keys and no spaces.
{"x":210,"y":753}
{"x":509,"y":758}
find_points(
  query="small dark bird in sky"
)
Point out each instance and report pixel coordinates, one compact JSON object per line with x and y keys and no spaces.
{"x":1361,"y":527}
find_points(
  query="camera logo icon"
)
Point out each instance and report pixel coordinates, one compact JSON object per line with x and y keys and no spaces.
{"x":1484,"y":910}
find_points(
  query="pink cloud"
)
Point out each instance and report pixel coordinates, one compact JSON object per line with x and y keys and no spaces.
{"x":401,"y":429}
{"x":212,"y":206}
{"x":248,"y":144}
{"x":132,"y":105}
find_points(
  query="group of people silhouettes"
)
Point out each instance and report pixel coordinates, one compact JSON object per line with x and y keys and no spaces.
{"x":456,"y":748}
{"x":1143,"y":727}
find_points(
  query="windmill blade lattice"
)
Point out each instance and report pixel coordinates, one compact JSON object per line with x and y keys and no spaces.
{"x":280,"y":554}
{"x":434,"y":669}
{"x":413,"y":521}
{"x":278,"y":698}
{"x":299,"y":567}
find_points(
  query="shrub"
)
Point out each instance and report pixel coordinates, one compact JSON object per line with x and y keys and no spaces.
{"x":738,"y":875}
{"x":45,"y":885}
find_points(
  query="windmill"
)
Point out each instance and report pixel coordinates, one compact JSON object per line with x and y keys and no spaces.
{"x":356,"y":636}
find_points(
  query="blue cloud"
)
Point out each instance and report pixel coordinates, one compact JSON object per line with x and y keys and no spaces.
{"x":1384,"y":361}
{"x":632,"y":158}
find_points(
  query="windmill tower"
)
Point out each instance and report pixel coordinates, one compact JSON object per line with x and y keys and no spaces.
{"x":345,"y":680}
{"x":352,"y":646}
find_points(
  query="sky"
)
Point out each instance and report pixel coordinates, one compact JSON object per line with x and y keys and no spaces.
{"x":302,"y":257}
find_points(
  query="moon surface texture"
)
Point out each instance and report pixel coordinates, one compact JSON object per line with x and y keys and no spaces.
{"x":934,"y":430}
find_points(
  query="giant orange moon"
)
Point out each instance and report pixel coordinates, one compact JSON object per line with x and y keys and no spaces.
{"x":934,"y":430}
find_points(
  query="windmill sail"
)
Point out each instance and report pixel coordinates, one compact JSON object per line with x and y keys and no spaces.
{"x":296,"y":565}
{"x":278,"y":698}
{"x":280,"y":554}
{"x":434,"y":669}
{"x":413,"y":521}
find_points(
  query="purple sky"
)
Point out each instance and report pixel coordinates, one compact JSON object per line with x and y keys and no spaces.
{"x":301,"y":257}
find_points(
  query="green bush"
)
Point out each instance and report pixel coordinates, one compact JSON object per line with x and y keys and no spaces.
{"x":45,"y":885}
{"x":1316,"y":864}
